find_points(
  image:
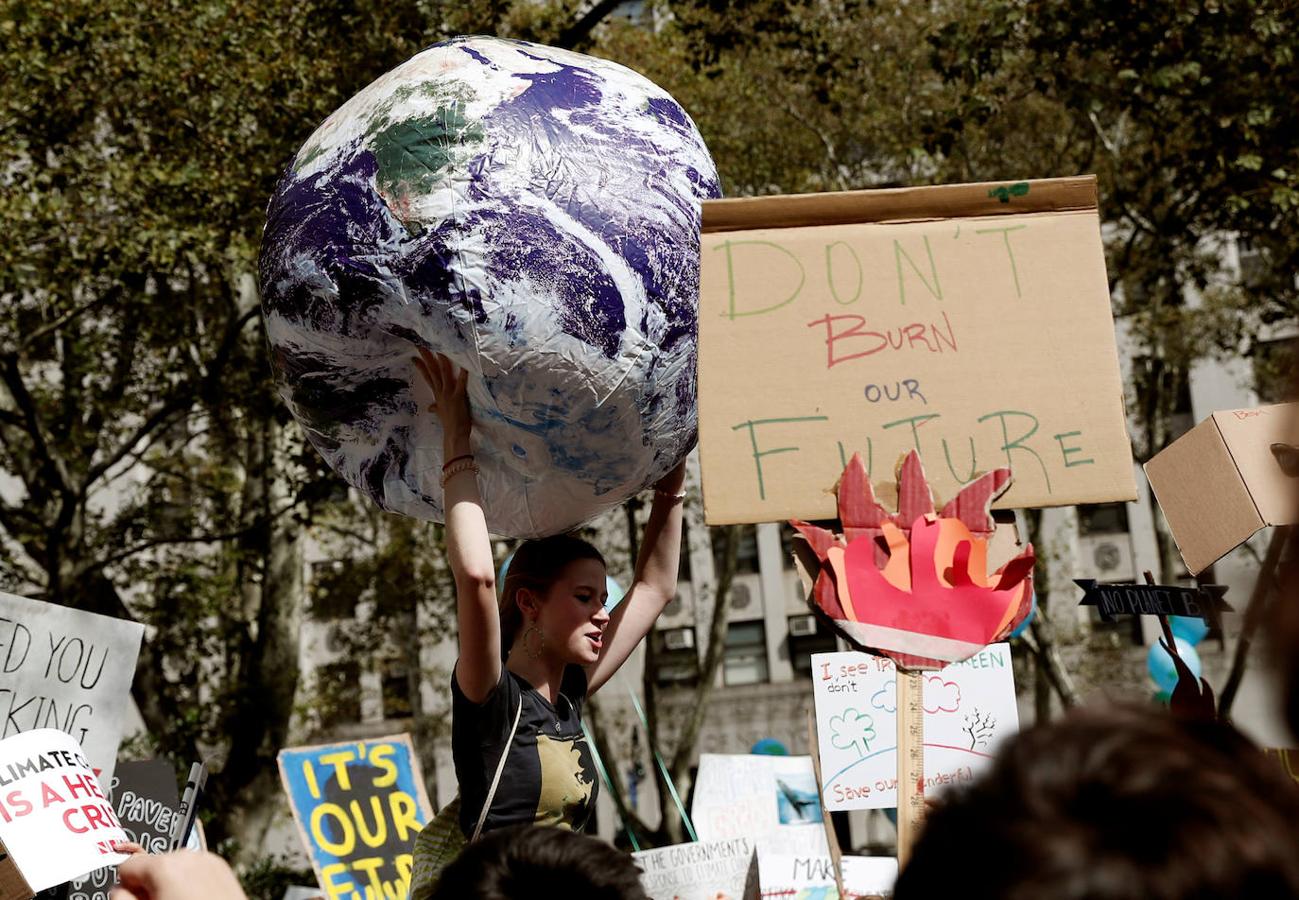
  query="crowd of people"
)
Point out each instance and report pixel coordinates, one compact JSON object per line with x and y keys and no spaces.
{"x":1104,"y":803}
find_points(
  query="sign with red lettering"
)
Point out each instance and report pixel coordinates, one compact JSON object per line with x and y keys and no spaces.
{"x":969,"y":710}
{"x":970,"y":323}
{"x":55,"y":818}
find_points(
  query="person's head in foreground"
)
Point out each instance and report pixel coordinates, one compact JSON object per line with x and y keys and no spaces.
{"x":1112,"y":804}
{"x":532,"y":861}
{"x":552,"y":603}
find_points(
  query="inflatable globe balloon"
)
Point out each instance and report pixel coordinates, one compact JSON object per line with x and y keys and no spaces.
{"x":1159,"y":662}
{"x":531,"y":213}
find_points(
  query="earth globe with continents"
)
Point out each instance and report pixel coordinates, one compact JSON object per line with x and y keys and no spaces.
{"x":534,"y":215}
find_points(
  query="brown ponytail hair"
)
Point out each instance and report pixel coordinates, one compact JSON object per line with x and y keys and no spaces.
{"x":536,"y":566}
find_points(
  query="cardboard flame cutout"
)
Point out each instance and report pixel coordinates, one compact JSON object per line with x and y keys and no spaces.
{"x":912,"y":585}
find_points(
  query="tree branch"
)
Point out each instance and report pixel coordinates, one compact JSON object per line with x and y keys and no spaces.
{"x":582,"y":28}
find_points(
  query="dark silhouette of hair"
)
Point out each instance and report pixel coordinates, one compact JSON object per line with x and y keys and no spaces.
{"x":536,"y":566}
{"x":1115,"y":804}
{"x":534,"y":861}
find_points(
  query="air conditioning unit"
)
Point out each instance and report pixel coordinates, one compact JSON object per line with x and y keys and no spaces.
{"x":802,"y":626}
{"x":679,"y":639}
{"x":746,"y":597}
{"x":1107,"y":557}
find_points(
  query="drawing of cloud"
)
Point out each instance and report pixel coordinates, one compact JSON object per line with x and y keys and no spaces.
{"x":886,"y":697}
{"x":941,"y":696}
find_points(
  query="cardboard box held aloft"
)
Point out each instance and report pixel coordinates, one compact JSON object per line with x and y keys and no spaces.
{"x":1219,"y":483}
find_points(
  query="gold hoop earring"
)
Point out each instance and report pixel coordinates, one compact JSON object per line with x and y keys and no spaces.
{"x":541,"y":641}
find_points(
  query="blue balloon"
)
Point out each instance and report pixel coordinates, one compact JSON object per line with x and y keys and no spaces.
{"x":1159,"y":662}
{"x":1188,"y":628}
{"x":616,"y":593}
{"x":769,"y":747}
{"x":1023,"y":626}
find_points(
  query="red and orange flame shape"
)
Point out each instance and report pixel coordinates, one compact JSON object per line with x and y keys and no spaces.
{"x":915,"y":586}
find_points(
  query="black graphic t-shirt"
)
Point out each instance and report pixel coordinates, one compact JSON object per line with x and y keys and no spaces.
{"x":549,"y":776}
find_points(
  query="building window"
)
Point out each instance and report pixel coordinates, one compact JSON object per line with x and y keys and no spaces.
{"x":332,"y":592}
{"x":1273,"y":364}
{"x":746,"y":554}
{"x":1102,"y":518}
{"x":338,"y":693}
{"x":807,"y":635}
{"x":396,"y":690}
{"x":745,"y":659}
{"x":676,"y":663}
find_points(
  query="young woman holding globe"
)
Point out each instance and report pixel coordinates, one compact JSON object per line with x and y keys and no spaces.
{"x":528,"y":662}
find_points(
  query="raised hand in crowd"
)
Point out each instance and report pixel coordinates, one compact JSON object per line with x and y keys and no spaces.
{"x":181,"y":875}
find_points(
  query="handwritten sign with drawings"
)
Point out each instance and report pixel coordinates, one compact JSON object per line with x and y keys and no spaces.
{"x":55,"y":818}
{"x":67,"y":669}
{"x":706,"y":870}
{"x":970,"y":325}
{"x":359,"y":806}
{"x":969,"y":710}
{"x":790,"y":877}
{"x":744,"y":795}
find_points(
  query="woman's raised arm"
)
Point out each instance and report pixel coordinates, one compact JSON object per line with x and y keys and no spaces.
{"x":469,"y":549}
{"x":654,"y":583}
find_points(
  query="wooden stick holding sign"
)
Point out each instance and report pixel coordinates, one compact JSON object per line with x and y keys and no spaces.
{"x":888,"y":578}
{"x":911,"y":761}
{"x":831,"y":839}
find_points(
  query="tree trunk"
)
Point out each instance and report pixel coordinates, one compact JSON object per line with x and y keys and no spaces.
{"x":248,"y":783}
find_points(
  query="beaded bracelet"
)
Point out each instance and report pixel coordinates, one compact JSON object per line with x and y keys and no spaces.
{"x":455,"y":467}
{"x":455,"y":459}
{"x":667,"y":495}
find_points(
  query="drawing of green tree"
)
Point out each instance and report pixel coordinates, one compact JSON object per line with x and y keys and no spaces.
{"x":852,"y":730}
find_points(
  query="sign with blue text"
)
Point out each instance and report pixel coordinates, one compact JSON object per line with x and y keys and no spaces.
{"x":969,"y":709}
{"x":359,"y":806}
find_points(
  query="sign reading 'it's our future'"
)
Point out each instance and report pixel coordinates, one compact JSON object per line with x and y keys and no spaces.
{"x":969,"y":322}
{"x":359,"y":806}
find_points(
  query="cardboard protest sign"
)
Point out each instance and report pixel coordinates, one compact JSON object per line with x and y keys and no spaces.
{"x":969,"y":322}
{"x":1202,"y":602}
{"x":12,"y":884}
{"x":55,"y":819}
{"x":969,"y":709}
{"x":755,"y":796}
{"x":812,"y":877}
{"x":706,"y":870}
{"x":1222,"y":481}
{"x":359,"y":806}
{"x":66,"y":669}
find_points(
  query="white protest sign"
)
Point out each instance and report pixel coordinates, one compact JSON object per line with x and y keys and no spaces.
{"x":752,"y":796}
{"x":55,"y":819}
{"x":67,"y":669}
{"x":808,"y":877}
{"x":707,"y":870}
{"x":969,"y":710}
